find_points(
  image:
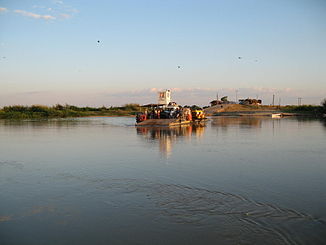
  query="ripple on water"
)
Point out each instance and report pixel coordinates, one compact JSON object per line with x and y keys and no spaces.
{"x":231,"y":217}
{"x":14,"y":164}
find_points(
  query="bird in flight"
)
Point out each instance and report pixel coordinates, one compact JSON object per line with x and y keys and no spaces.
{"x":98,"y":41}
{"x":179,"y":67}
{"x":239,"y":57}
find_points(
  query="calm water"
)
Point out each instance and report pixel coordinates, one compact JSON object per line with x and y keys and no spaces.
{"x":103,"y":181}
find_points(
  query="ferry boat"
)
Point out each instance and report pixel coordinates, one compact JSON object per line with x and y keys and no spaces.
{"x":168,"y":117}
{"x":167,"y":113}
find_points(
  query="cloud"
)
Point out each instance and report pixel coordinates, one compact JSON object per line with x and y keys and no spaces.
{"x":202,"y":96}
{"x":33,"y":92}
{"x":58,"y":2}
{"x":55,"y":10}
{"x":38,"y":7}
{"x":73,"y":10}
{"x":65,"y":16}
{"x":3,"y":9}
{"x":49,"y":9}
{"x":183,"y":96}
{"x":35,"y":16}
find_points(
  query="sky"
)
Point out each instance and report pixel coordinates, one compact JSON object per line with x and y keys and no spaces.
{"x":94,"y":53}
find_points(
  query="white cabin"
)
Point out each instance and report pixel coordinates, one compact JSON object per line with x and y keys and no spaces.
{"x":164,"y":97}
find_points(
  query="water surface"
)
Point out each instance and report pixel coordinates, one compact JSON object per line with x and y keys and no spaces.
{"x":104,"y":181}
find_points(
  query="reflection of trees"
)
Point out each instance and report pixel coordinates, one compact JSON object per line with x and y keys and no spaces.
{"x":323,"y":121}
{"x":166,"y":136}
{"x":236,"y":121}
{"x":305,"y":120}
{"x":46,"y":122}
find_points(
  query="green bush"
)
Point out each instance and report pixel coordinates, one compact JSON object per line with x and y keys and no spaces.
{"x":302,"y":108}
{"x":323,"y":104}
{"x":62,"y":111}
{"x":130,"y":107}
{"x":195,"y":107}
{"x":17,"y":108}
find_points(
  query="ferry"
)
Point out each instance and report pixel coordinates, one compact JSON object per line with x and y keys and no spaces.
{"x":167,"y":113}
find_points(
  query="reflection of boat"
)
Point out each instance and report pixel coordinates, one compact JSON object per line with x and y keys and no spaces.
{"x":166,"y":136}
{"x":169,"y":122}
{"x":163,"y":122}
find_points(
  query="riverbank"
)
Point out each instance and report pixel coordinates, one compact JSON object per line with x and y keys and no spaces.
{"x":64,"y":111}
{"x":262,"y":110}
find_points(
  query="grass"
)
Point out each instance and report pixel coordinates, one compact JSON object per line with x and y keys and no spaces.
{"x":237,"y":107}
{"x":63,"y":111}
{"x":310,"y":110}
{"x":305,"y":109}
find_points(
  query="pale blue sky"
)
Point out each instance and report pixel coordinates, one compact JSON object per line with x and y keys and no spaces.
{"x":49,"y":51}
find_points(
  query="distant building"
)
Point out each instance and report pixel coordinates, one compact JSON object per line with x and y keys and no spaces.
{"x":249,"y":101}
{"x":164,"y":97}
{"x":220,"y":102}
{"x":215,"y":102}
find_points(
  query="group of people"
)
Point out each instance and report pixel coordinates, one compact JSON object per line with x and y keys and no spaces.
{"x":160,"y":113}
{"x":166,"y":113}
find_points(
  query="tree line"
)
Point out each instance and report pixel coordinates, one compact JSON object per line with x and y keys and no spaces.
{"x":62,"y":111}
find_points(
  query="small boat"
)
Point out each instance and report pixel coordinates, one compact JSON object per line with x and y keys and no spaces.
{"x":277,"y":115}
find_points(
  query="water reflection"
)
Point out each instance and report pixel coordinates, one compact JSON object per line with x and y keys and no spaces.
{"x":167,"y":136}
{"x":63,"y":123}
{"x":244,"y":185}
{"x":304,"y":120}
{"x":55,"y":123}
{"x":324,"y":122}
{"x":242,"y":122}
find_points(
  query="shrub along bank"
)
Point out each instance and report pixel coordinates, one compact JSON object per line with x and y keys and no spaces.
{"x":62,"y":111}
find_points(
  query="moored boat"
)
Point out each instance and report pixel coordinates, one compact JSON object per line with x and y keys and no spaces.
{"x":277,"y":115}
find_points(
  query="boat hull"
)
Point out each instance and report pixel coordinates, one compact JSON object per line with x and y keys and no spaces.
{"x":167,"y":122}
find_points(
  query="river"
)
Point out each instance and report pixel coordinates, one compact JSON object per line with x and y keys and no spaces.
{"x":101,"y":180}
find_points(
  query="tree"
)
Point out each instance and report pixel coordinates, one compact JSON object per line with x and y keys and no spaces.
{"x":195,"y":107}
{"x":323,"y":104}
{"x":59,"y":107}
{"x":224,"y":99}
